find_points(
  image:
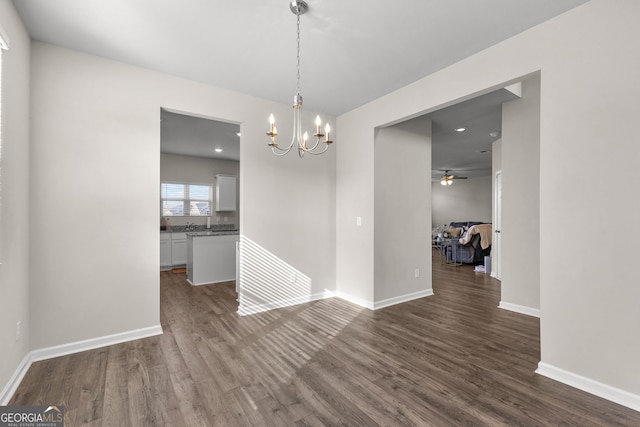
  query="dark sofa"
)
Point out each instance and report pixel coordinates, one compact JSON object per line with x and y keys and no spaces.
{"x":470,"y":253}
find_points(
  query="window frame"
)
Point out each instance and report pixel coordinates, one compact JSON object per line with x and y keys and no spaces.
{"x":187,"y":200}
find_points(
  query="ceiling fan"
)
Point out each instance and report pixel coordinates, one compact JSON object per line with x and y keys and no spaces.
{"x":448,"y":179}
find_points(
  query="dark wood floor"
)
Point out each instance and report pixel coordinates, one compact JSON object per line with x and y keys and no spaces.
{"x":449,"y":359}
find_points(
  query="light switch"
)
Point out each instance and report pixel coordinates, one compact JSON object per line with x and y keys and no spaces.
{"x":358,"y":221}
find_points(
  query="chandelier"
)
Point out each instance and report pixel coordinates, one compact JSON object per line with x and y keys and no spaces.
{"x":299,"y":7}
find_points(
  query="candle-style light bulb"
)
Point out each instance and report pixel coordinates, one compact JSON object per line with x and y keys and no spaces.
{"x":272,"y":121}
{"x":272,"y":132}
{"x":318,"y":123}
{"x":304,"y":139}
{"x":327,"y":130}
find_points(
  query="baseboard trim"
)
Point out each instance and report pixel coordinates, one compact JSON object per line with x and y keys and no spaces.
{"x":246,"y":310}
{"x":258,"y":308}
{"x":70,"y":348}
{"x":15,"y":380}
{"x":402,"y":298}
{"x":520,"y":309}
{"x":211,"y":283}
{"x":93,"y":343}
{"x":596,"y":388}
{"x":354,"y":300}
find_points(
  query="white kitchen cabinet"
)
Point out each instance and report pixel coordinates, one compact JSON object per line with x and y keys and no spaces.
{"x":178,"y":249}
{"x":211,"y":259}
{"x":165,"y":250}
{"x":225,"y":193}
{"x":173,"y":249}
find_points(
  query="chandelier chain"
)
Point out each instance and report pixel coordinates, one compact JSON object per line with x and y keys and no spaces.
{"x":298,"y":88}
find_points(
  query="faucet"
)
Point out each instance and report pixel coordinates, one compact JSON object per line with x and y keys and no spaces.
{"x":191,"y":226}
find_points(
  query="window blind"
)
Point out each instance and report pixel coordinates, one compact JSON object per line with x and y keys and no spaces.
{"x":185,"y":199}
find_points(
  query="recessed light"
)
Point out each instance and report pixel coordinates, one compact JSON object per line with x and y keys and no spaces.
{"x":460,"y":129}
{"x":238,"y":133}
{"x":493,"y":134}
{"x":218,"y":150}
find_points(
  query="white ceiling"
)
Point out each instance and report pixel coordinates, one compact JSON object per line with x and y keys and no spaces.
{"x":352,"y":52}
{"x":467,"y":153}
{"x":198,"y":137}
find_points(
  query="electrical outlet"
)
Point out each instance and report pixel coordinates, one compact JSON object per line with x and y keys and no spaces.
{"x":18,"y":330}
{"x":417,"y":273}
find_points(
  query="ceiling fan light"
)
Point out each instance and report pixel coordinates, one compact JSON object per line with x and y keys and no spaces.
{"x":443,"y":182}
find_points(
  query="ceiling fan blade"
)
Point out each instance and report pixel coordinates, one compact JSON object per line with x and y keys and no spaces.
{"x":446,"y":177}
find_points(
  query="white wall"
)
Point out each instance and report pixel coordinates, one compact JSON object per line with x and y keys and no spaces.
{"x":187,"y":169}
{"x":402,"y":212}
{"x":95,"y":132}
{"x":589,"y":299}
{"x":464,"y":200}
{"x":14,"y":198}
{"x":354,"y":199}
{"x":588,"y":97}
{"x":521,"y":199}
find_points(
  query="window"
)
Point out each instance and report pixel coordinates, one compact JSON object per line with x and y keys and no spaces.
{"x":186,"y":199}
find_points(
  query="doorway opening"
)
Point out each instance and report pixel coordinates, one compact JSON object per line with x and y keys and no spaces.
{"x":470,"y":197}
{"x":199,"y":191}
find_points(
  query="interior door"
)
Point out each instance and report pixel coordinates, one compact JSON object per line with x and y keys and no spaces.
{"x":496,"y":249}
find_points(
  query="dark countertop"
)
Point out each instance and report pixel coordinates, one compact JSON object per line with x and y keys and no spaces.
{"x":208,"y":233}
{"x":216,"y":228}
